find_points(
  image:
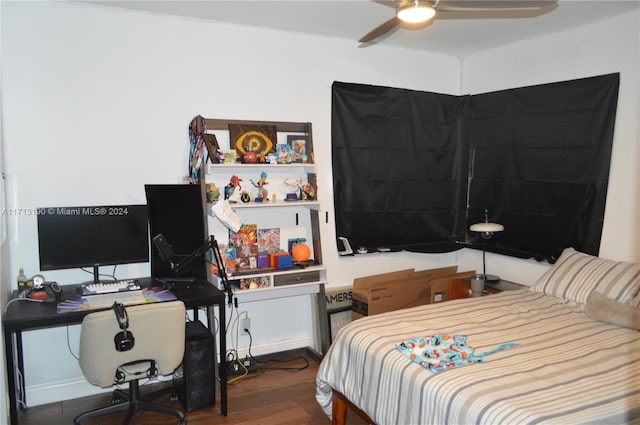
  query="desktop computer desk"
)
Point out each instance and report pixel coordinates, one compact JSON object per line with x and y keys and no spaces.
{"x":26,"y":315}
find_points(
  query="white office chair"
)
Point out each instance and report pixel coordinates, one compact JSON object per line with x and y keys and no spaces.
{"x":124,"y":345}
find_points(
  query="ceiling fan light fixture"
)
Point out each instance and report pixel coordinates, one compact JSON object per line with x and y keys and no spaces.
{"x":415,"y":11}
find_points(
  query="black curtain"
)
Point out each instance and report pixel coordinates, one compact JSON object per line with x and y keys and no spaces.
{"x":399,"y":167}
{"x":412,"y":170}
{"x":541,"y":165}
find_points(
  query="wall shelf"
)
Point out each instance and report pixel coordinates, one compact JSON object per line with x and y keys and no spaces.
{"x":214,"y":168}
{"x":274,"y":204}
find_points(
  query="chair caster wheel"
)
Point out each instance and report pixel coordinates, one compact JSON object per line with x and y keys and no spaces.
{"x":182,"y":422}
{"x":173,"y":398}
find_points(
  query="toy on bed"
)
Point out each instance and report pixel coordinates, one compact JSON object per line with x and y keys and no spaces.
{"x":441,"y":352}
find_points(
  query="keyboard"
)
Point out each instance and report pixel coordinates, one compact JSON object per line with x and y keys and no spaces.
{"x":110,"y":288}
{"x":107,"y":300}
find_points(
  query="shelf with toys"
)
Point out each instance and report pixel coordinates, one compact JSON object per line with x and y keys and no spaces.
{"x":282,"y":183}
{"x":264,"y":172}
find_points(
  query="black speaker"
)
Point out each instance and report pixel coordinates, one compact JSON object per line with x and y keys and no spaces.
{"x":197,"y":386}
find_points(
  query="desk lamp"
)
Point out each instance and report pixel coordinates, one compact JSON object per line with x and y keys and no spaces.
{"x":486,"y":230}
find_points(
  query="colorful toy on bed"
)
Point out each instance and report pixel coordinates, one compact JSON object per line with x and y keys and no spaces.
{"x":442,"y":352}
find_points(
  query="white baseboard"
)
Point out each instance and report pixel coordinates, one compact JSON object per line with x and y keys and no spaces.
{"x":61,"y":390}
{"x":276,"y":347}
{"x":65,"y":390}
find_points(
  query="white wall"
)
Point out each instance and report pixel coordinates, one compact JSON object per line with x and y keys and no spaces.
{"x":97,"y":103}
{"x":610,"y":46}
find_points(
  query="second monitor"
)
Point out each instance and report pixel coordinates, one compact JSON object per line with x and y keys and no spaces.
{"x":177,"y":212}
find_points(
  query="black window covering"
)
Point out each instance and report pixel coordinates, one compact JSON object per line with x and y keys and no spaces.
{"x":412,"y":170}
{"x":541,"y":164}
{"x":399,"y":167}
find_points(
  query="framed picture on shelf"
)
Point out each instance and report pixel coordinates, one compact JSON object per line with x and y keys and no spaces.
{"x":247,"y":235}
{"x":269,"y":239}
{"x":261,"y":139}
{"x":301,"y":150}
{"x":213,"y":149}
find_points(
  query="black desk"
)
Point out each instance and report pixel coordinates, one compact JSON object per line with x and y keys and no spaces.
{"x":27,"y":315}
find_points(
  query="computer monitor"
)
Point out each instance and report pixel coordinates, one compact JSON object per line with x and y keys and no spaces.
{"x":92,"y":236}
{"x":177,"y":212}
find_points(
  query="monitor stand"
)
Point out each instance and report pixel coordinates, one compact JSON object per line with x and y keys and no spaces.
{"x":96,"y":273}
{"x":96,"y":276}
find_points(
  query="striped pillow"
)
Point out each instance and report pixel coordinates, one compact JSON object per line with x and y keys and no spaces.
{"x":575,"y":275}
{"x":636,"y":300}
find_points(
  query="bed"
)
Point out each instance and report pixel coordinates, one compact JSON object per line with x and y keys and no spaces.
{"x":577,"y":358}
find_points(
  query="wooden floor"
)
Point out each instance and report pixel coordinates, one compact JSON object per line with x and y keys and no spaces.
{"x":269,"y":396}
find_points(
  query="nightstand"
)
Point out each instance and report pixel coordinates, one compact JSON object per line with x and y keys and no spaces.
{"x":461,"y":288}
{"x":502,"y":285}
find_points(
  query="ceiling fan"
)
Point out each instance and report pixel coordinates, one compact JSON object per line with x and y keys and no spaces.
{"x":420,"y":13}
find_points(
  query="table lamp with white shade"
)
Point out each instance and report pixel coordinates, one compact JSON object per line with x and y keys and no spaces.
{"x":486,"y":230}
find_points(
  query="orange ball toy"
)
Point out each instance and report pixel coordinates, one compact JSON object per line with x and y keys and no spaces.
{"x":300,"y":252}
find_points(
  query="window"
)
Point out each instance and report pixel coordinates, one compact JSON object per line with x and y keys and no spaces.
{"x":412,"y":170}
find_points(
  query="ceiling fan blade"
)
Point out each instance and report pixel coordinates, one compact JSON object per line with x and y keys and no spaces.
{"x":380,"y":29}
{"x":499,"y":5}
{"x":493,"y":13}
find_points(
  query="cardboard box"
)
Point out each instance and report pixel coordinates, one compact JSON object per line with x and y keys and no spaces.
{"x":273,"y":258}
{"x":263,"y":260}
{"x":361,"y":285}
{"x":284,"y":262}
{"x":393,"y":291}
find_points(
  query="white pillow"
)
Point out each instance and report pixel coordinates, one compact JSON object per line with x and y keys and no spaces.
{"x":576,"y":275}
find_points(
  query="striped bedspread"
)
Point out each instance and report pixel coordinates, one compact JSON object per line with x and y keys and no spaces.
{"x":567,"y":368}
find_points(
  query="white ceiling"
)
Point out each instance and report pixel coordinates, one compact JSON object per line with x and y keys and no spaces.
{"x":352,"y":19}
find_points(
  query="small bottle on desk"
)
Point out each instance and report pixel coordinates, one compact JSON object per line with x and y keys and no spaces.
{"x":22,"y":283}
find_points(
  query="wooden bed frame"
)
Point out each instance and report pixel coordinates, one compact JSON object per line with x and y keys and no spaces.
{"x":341,"y":406}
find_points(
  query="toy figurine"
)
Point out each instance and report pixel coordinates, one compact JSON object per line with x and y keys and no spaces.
{"x":284,"y":154}
{"x":219,"y":155}
{"x":272,"y":158}
{"x":232,"y":190}
{"x":307,"y":192}
{"x":250,"y":157}
{"x":213,"y":193}
{"x":263,"y":194}
{"x":245,"y":197}
{"x":292,"y":188}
